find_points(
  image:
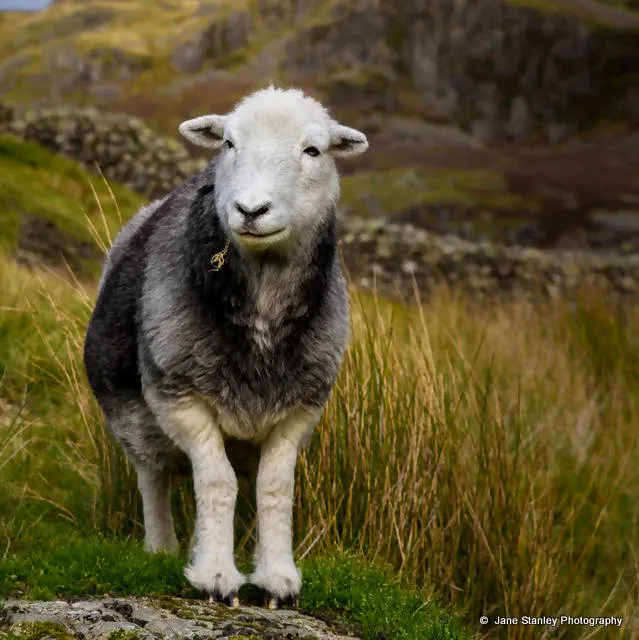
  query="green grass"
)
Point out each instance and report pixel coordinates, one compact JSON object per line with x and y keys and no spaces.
{"x":71,"y":515}
{"x":484,"y":452}
{"x":338,"y":586}
{"x":503,"y":489}
{"x":91,"y":567}
{"x":396,"y":190}
{"x":39,"y":631}
{"x":373,"y":599}
{"x":35,"y":183}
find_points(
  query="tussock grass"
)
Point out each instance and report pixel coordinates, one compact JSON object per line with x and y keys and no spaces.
{"x":486,"y":452}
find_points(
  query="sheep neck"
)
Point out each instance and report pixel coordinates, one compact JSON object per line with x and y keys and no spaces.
{"x":270,"y":285}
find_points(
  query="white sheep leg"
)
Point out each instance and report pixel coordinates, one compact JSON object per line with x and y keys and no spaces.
{"x":155,"y":489}
{"x":275,"y":569}
{"x":212,"y":565}
{"x":192,"y":427}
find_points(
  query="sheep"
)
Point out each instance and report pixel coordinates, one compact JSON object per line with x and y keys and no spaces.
{"x":219,"y":329}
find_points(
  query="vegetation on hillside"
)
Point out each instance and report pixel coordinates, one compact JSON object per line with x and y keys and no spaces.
{"x":374,"y":193}
{"x":39,"y":187}
{"x":483,"y":453}
{"x":487,"y":454}
{"x":619,"y":14}
{"x":65,"y":528}
{"x":129,"y":56}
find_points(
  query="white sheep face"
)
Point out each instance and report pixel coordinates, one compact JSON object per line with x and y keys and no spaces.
{"x":276,"y":178}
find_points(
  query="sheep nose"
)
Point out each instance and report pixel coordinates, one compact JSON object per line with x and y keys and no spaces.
{"x":250,"y":213}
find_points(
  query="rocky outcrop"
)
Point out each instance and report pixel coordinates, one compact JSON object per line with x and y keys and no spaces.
{"x":501,"y":69}
{"x":226,"y":35}
{"x":504,"y":70}
{"x":347,"y":54}
{"x":149,"y":618}
{"x":123,"y":148}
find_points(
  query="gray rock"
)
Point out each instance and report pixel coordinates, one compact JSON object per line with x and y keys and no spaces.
{"x":149,"y":618}
{"x":501,"y":70}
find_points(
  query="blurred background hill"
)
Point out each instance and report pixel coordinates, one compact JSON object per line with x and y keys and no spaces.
{"x":537,"y":99}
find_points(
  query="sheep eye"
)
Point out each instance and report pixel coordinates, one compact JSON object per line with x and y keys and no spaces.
{"x":228,"y":144}
{"x":312,"y":151}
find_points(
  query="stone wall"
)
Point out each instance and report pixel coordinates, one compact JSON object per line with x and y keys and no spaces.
{"x":122,"y":147}
{"x":391,"y":257}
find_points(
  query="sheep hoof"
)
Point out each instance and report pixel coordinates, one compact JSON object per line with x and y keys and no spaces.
{"x":273,"y":602}
{"x":232,"y":600}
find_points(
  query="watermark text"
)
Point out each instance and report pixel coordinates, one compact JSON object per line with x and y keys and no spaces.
{"x":549,"y":621}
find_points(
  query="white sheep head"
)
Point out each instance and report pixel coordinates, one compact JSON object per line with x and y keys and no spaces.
{"x":276,"y":178}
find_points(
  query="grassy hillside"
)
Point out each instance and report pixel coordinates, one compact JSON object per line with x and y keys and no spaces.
{"x":58,"y":216}
{"x":48,"y":207}
{"x":485,"y":455}
{"x":70,"y":512}
{"x":166,"y":61}
{"x":124,"y":44}
{"x":390,"y":192}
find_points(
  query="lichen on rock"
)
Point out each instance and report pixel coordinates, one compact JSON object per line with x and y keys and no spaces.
{"x":151,"y":618}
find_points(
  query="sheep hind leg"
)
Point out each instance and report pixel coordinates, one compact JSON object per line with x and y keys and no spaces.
{"x":155,"y":488}
{"x":151,"y":452}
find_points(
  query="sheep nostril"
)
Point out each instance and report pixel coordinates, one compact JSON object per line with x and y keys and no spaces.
{"x":261,"y":211}
{"x":255,"y":212}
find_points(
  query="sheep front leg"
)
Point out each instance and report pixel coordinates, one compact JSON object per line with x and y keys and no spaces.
{"x":212,"y":565}
{"x":212,"y":568}
{"x":275,"y":569}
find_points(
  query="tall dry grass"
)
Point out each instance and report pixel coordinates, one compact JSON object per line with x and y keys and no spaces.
{"x":486,"y":449}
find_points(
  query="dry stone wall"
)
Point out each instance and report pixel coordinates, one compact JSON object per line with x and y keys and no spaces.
{"x":391,"y":257}
{"x":123,"y":148}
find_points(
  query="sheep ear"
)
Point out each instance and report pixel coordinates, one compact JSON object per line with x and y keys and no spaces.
{"x":205,"y":131}
{"x":346,"y":141}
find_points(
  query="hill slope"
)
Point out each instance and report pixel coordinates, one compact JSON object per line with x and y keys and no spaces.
{"x":48,"y":205}
{"x":501,"y":69}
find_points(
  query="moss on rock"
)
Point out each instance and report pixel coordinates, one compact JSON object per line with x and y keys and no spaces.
{"x":39,"y":630}
{"x":124,"y":634}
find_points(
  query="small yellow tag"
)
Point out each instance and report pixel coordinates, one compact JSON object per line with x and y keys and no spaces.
{"x":217,"y":261}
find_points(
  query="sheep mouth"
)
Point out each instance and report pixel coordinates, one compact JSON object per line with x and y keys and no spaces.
{"x":254,"y":234}
{"x":253,"y":240}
